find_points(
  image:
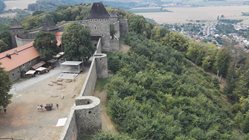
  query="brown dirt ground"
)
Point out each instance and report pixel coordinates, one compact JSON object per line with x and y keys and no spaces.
{"x":23,"y":121}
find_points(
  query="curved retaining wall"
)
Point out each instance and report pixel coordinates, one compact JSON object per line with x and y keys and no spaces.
{"x":85,"y":117}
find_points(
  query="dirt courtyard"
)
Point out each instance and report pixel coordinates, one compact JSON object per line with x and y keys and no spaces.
{"x":23,"y":121}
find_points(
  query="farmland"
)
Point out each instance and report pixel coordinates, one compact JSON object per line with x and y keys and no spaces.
{"x":188,"y":14}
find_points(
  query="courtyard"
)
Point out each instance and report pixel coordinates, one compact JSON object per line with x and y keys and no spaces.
{"x":23,"y":121}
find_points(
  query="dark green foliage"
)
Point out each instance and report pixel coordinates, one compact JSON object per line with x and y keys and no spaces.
{"x":3,"y":46}
{"x":63,"y":13}
{"x":157,"y":95}
{"x":5,"y":86}
{"x":107,"y":136}
{"x":77,"y":44}
{"x":46,"y":44}
{"x":176,"y":41}
{"x":5,"y":38}
{"x":222,"y":62}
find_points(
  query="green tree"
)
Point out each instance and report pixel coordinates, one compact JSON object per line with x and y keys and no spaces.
{"x":46,"y":44}
{"x":176,"y":41}
{"x":5,"y":86}
{"x":5,"y":35}
{"x":76,"y":41}
{"x":137,"y":24}
{"x":222,"y":62}
{"x":195,"y":53}
{"x":3,"y":46}
{"x":245,"y":125}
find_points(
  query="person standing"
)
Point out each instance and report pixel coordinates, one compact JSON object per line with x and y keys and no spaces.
{"x":57,"y":106}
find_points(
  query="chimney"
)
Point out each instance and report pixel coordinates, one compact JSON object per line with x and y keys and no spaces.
{"x":8,"y":55}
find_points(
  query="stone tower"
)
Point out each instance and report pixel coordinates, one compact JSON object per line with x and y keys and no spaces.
{"x":99,"y":22}
{"x":101,"y":65}
{"x":15,"y":29}
{"x":88,"y":116}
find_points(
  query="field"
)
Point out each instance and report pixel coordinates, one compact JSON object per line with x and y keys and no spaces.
{"x":20,"y":4}
{"x":187,"y":14}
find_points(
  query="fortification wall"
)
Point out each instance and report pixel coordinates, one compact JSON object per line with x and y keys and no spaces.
{"x":99,"y":46}
{"x":124,"y":28}
{"x":88,"y":116}
{"x":21,"y":42}
{"x":101,"y":65}
{"x":91,"y":80}
{"x":71,"y":131}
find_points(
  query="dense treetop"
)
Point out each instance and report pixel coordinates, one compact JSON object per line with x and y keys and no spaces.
{"x":5,"y":86}
{"x":76,"y":41}
{"x":171,"y":88}
{"x":46,"y":44}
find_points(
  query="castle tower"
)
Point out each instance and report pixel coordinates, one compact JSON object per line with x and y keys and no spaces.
{"x":88,"y":116}
{"x":99,"y":22}
{"x":15,"y":29}
{"x":101,"y":65}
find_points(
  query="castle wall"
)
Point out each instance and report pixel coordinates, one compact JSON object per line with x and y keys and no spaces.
{"x":85,"y":117}
{"x":101,"y":65}
{"x":88,"y":116}
{"x":99,"y":46}
{"x":124,"y":28}
{"x":14,"y":32}
{"x":101,"y":27}
{"x":91,"y":80}
{"x":21,"y":42}
{"x":71,"y":130}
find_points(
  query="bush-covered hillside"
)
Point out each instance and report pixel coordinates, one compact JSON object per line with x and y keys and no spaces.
{"x":166,"y":87}
{"x":169,"y":86}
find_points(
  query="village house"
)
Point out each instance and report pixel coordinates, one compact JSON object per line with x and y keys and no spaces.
{"x":19,"y":60}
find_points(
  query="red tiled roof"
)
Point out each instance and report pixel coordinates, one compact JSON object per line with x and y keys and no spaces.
{"x":18,"y":56}
{"x":22,"y":54}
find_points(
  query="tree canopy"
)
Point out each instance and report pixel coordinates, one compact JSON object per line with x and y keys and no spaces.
{"x":5,"y":37}
{"x":76,"y":41}
{"x":108,"y":136}
{"x":5,"y":86}
{"x":46,"y":44}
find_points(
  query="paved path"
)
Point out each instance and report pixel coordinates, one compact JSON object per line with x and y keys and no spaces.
{"x":22,"y":85}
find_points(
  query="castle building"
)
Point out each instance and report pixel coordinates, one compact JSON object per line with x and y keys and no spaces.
{"x":101,"y":24}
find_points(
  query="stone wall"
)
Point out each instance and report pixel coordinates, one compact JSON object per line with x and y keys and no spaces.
{"x":99,"y":46}
{"x":16,"y":74}
{"x":85,"y":115}
{"x":71,"y":130}
{"x":90,"y":81}
{"x":88,"y":116}
{"x":101,"y":65}
{"x":21,"y":42}
{"x":124,"y":28}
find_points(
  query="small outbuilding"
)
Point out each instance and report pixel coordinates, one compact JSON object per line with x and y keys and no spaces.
{"x":72,"y":67}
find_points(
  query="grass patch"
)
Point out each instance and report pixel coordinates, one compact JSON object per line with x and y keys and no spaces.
{"x":100,"y":85}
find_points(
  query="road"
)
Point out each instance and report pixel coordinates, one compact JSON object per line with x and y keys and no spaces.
{"x":22,"y":85}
